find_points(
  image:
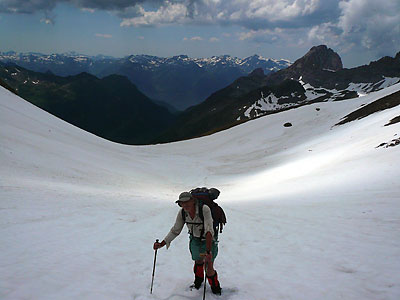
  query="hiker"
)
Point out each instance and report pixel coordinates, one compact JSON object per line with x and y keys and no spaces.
{"x":202,"y":239}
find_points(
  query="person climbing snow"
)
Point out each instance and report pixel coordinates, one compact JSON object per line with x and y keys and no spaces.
{"x":203,"y":239}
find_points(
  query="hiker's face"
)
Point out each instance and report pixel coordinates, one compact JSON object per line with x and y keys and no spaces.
{"x":188,"y":205}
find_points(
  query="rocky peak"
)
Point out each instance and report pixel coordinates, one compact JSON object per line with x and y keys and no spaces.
{"x":319,"y":58}
{"x":257,"y":72}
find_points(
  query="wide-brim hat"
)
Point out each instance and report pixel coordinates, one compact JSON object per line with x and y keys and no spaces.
{"x":183,"y":197}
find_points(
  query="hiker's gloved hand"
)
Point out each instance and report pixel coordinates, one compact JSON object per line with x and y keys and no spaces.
{"x":158,"y":245}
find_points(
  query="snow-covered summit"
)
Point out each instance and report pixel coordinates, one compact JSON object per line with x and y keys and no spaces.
{"x":148,"y":61}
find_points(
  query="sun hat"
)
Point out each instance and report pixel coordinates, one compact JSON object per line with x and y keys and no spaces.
{"x":183,"y":197}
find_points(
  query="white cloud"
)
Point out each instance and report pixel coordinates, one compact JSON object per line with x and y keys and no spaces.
{"x":371,"y":23}
{"x":277,"y":10}
{"x":194,"y":38}
{"x":47,"y":21}
{"x":289,"y":37}
{"x":362,"y":24}
{"x":247,"y":13}
{"x":327,"y":33}
{"x":168,"y":14}
{"x":103,"y":35}
{"x":89,"y":10}
{"x":214,"y":39}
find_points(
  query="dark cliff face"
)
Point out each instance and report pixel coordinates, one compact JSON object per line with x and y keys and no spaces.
{"x":322,"y":67}
{"x":319,"y":58}
{"x":312,"y":66}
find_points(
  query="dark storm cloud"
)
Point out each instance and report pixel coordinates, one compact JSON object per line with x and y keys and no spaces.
{"x":32,"y":6}
{"x":26,"y":7}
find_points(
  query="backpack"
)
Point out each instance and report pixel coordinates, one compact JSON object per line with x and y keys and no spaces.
{"x":207,"y":196}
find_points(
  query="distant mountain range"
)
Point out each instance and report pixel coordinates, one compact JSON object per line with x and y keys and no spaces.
{"x":114,"y":108}
{"x":179,"y":81}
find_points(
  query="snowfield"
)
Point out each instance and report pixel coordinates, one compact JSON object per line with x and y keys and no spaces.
{"x":313,"y":210}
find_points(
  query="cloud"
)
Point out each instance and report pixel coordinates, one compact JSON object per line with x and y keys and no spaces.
{"x":214,"y":39}
{"x":46,"y":21}
{"x":194,"y":38}
{"x":171,"y":13}
{"x":364,"y":24}
{"x":103,"y":35}
{"x":252,"y":14}
{"x":33,"y":6}
{"x":26,"y":7}
{"x":371,"y":23}
{"x":89,"y":10}
{"x":279,"y":36}
{"x":248,"y":13}
{"x":49,"y":18}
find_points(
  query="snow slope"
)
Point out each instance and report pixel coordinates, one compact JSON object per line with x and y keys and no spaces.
{"x":313,"y":210}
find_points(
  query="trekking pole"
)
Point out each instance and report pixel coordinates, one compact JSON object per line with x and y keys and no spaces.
{"x":154,"y":269}
{"x":205,"y":275}
{"x":205,"y":281}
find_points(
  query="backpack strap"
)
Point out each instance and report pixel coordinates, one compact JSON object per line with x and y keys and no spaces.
{"x":201,"y":215}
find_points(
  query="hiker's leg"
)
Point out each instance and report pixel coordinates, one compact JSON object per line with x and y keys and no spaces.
{"x":212,"y":277}
{"x":210,"y":269}
{"x":198,"y":268}
{"x":214,"y":250}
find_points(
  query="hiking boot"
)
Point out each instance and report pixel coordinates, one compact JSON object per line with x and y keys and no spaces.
{"x":197,"y":282}
{"x":198,"y":270}
{"x":214,"y":283}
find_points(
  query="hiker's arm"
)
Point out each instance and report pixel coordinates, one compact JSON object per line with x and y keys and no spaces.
{"x":208,"y":229}
{"x":208,"y":223}
{"x":175,"y":230}
{"x":208,"y":242}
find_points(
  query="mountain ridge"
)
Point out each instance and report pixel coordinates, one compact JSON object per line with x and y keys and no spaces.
{"x":318,"y":76}
{"x":179,"y":81}
{"x":111,"y":107}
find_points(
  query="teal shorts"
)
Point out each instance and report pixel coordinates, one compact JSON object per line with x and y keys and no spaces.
{"x":197,"y":246}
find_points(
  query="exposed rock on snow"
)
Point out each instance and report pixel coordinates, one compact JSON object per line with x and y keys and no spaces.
{"x":393,"y":121}
{"x":378,"y":105}
{"x":392,"y":143}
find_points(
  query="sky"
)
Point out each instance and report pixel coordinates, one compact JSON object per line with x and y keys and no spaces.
{"x":359,"y":30}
